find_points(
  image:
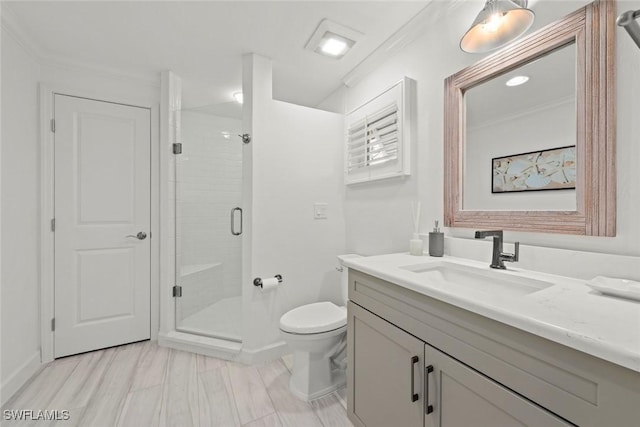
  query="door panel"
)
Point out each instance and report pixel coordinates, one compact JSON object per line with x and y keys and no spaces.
{"x":102,"y":195}
{"x":108,"y":283}
{"x":106,"y":165}
{"x":208,"y":249}
{"x":385,"y":362}
{"x":462,"y":397}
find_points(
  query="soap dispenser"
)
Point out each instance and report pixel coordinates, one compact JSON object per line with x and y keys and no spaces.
{"x":436,"y":241}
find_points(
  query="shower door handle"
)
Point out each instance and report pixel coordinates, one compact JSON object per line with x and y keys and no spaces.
{"x":233,"y":221}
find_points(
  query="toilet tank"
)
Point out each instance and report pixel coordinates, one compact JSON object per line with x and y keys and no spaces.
{"x":344,"y":279}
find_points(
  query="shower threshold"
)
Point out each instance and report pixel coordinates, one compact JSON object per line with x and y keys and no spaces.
{"x":205,"y":333}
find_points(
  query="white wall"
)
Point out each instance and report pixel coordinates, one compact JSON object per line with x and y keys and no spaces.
{"x":384,"y":206}
{"x":20,"y":216}
{"x":293,"y":161}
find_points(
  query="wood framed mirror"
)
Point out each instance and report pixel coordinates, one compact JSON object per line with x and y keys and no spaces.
{"x":586,"y":204}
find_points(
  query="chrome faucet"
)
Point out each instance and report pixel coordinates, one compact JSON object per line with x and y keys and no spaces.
{"x":498,"y":257}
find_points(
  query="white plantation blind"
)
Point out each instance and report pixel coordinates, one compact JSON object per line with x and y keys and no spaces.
{"x":377,"y":136}
{"x":374,"y":139}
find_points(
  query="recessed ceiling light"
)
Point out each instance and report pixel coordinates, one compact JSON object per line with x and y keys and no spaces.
{"x":332,"y":40}
{"x":517,"y":81}
{"x":333,"y":46}
{"x":239,"y":97}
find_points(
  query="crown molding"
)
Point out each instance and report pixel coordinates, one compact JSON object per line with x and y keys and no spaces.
{"x":148,"y":79}
{"x":534,"y":109}
{"x":402,"y":38}
{"x":12,"y":25}
{"x":409,"y":32}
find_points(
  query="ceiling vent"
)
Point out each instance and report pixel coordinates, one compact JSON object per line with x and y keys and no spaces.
{"x":332,"y":39}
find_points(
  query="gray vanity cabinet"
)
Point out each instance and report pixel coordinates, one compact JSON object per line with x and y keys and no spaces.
{"x":392,"y":371}
{"x":484,"y":373}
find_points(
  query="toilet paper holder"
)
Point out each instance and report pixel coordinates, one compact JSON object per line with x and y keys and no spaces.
{"x":258,"y":281}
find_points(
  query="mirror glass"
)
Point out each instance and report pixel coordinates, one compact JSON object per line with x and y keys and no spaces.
{"x":519,"y":151}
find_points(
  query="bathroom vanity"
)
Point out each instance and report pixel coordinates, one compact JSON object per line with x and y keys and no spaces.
{"x":449,"y":342}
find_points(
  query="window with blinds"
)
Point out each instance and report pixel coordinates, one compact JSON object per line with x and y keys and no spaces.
{"x":377,"y":137}
{"x":374,"y":140}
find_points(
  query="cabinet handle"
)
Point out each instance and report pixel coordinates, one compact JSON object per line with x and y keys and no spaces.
{"x":414,"y":396}
{"x":233,"y":221}
{"x":427,"y":408}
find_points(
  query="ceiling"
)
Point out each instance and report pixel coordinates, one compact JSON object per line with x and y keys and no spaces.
{"x":203,"y":41}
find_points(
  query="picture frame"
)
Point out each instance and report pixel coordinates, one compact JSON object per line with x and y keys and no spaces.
{"x":540,"y":170}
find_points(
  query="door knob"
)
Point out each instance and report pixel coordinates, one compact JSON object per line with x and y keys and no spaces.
{"x":140,"y":236}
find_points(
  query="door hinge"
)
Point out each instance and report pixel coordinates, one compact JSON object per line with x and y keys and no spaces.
{"x":53,"y":125}
{"x":177,"y":148}
{"x":53,"y":324}
{"x":53,"y":224}
{"x":177,"y":291}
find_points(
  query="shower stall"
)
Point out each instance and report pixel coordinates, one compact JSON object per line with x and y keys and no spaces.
{"x":209,"y":224}
{"x":215,"y":178}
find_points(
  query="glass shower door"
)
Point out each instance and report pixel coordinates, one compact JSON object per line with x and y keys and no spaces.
{"x":208,"y":225}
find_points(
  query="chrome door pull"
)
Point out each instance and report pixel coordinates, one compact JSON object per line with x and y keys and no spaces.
{"x":233,"y":222}
{"x":140,"y":236}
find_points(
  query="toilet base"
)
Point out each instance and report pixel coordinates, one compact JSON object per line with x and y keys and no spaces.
{"x":314,"y":376}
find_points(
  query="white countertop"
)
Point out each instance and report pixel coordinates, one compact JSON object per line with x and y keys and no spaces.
{"x":569,"y":312}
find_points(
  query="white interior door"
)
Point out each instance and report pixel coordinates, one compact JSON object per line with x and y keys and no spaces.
{"x":102,"y":224}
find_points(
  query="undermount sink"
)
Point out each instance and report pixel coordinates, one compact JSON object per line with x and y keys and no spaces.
{"x":476,"y":279}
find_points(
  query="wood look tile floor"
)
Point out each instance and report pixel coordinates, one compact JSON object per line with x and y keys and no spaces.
{"x":143,"y":384}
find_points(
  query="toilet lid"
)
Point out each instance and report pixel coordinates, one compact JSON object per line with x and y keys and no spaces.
{"x":314,"y":318}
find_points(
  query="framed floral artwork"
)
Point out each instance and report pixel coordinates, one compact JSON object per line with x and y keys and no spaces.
{"x":553,"y":169}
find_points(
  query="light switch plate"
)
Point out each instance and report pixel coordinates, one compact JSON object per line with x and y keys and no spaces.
{"x":319,"y":211}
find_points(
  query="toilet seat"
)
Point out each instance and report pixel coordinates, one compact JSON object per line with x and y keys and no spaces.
{"x":314,"y":318}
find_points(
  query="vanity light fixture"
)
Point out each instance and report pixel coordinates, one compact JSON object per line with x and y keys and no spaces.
{"x":498,"y":23}
{"x":332,"y":39}
{"x":517,"y":81}
{"x":239,"y":97}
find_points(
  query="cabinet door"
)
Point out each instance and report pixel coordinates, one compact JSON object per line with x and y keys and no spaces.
{"x":384,"y":373}
{"x":462,"y":397}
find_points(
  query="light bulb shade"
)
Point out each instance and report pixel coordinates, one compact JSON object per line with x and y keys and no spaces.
{"x":498,"y":23}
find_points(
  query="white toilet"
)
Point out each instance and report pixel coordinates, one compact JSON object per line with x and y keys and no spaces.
{"x":317,"y":335}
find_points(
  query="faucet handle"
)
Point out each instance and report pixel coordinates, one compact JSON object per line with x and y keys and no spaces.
{"x":514,"y":257}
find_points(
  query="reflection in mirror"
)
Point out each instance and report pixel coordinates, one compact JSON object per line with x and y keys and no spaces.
{"x":510,"y":130}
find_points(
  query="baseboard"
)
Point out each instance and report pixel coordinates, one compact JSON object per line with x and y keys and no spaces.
{"x":264,"y":354}
{"x":221,"y":349}
{"x":20,"y":377}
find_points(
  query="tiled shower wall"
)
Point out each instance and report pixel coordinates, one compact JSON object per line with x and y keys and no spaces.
{"x":209,"y":185}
